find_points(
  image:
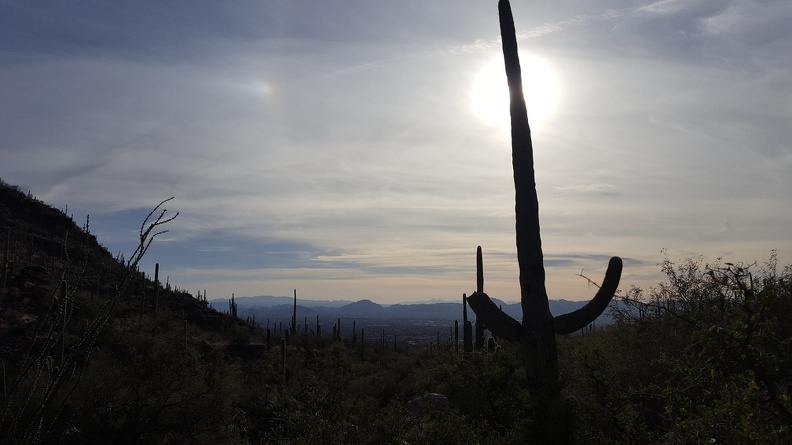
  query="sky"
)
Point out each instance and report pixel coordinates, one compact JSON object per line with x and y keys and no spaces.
{"x":352,"y":150}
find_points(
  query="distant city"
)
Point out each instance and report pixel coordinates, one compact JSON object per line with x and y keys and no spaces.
{"x":403,"y":325}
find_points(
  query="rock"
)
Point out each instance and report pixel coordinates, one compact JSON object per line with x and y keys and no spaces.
{"x":429,"y":402}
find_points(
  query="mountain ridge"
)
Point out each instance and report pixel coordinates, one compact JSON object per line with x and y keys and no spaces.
{"x":271,"y":307}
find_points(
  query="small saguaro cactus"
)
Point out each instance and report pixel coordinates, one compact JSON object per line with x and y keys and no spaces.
{"x":456,"y":336}
{"x":537,"y":331}
{"x":5,"y":270}
{"x":294,"y":314}
{"x":362,"y":343}
{"x":232,"y":307}
{"x":156,"y":289}
{"x":64,"y":301}
{"x":479,"y":339}
{"x":467,"y":331}
{"x":283,"y":358}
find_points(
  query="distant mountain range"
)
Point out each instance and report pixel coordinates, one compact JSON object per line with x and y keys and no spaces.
{"x":270,"y":307}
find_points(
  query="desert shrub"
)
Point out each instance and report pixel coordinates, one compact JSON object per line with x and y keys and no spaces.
{"x":704,"y":356}
{"x":150,"y":389}
{"x":489,"y":390}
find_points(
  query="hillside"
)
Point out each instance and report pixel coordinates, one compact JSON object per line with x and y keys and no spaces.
{"x":70,"y":312}
{"x":43,"y":246}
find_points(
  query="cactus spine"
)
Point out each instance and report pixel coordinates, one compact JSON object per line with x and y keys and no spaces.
{"x":537,"y":331}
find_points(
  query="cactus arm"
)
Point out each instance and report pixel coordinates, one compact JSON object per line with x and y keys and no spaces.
{"x":497,"y":321}
{"x":573,"y":321}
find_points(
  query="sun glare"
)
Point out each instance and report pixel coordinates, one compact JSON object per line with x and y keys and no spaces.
{"x":490,"y":93}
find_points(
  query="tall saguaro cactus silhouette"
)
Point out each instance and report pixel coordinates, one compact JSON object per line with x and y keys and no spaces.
{"x":537,"y":331}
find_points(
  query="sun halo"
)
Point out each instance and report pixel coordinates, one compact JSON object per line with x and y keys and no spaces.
{"x":489,"y":97}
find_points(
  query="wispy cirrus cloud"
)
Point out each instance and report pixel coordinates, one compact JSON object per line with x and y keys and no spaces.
{"x":330,"y":147}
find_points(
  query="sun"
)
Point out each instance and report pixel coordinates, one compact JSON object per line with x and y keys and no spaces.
{"x":489,"y":97}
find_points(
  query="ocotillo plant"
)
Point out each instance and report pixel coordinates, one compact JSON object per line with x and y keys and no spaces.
{"x":537,"y":331}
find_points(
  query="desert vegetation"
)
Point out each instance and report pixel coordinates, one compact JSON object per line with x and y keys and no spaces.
{"x":89,"y":355}
{"x":93,"y":350}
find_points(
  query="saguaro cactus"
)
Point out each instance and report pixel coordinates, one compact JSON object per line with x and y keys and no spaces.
{"x":156,"y":289}
{"x":537,"y":331}
{"x":467,"y":331}
{"x":232,"y":307}
{"x":5,"y":265}
{"x":480,"y":289}
{"x":294,"y":314}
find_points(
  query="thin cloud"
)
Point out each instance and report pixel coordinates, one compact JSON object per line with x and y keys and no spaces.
{"x":608,"y":190}
{"x":302,"y":150}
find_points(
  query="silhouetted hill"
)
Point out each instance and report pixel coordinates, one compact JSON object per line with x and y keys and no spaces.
{"x":42,"y":246}
{"x":45,"y":227}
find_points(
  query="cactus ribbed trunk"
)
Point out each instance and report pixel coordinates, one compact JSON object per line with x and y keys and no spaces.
{"x":537,"y":335}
